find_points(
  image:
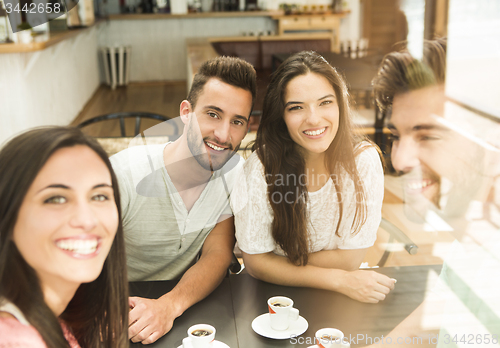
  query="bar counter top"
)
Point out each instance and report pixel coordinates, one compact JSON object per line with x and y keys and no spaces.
{"x":53,"y":38}
{"x":275,"y":14}
{"x":128,"y":16}
{"x":50,"y":40}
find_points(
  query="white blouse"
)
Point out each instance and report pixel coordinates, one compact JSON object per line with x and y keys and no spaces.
{"x":253,"y":213}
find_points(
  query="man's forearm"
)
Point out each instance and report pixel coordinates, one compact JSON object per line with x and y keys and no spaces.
{"x":206,"y":274}
{"x":199,"y":281}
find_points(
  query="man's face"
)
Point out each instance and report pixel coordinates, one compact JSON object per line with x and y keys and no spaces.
{"x":433,"y":158}
{"x":221,"y":123}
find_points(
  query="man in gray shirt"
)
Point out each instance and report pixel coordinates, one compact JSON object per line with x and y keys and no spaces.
{"x":175,"y":197}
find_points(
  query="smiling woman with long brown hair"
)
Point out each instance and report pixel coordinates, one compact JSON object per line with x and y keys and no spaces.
{"x":63,"y":279}
{"x":309,"y":200}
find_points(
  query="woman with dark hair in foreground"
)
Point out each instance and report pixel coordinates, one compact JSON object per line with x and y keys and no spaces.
{"x":309,"y":201}
{"x":62,"y":257}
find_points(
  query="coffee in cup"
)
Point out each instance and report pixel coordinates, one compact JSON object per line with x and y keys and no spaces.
{"x":331,"y":338}
{"x":280,"y":304}
{"x":201,"y":332}
{"x":199,"y":336}
{"x":281,"y":312}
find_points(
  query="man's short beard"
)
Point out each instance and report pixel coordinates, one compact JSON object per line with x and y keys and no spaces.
{"x":201,"y":155}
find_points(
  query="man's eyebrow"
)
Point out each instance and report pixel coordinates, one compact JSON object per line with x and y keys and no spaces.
{"x":218,"y":109}
{"x":213,"y":107}
{"x":420,"y":127}
{"x":241,"y":118}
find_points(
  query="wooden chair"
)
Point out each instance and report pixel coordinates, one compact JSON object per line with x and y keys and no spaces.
{"x":121,"y":116}
{"x":113,"y":144}
{"x":395,"y":234}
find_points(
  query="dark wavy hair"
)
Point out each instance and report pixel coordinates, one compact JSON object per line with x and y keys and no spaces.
{"x":400,"y":72}
{"x":281,"y":156}
{"x":98,"y":312}
{"x":231,"y":70}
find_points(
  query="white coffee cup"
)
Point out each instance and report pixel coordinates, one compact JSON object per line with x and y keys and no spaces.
{"x":281,"y":312}
{"x":199,"y":336}
{"x":331,"y":338}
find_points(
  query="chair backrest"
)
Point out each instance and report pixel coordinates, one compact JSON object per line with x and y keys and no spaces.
{"x":395,"y":234}
{"x":121,"y":116}
{"x":235,"y":266}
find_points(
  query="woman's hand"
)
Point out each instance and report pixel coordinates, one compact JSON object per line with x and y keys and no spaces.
{"x":366,"y":286}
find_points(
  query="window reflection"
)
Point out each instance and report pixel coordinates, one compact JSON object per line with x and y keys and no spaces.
{"x":445,"y":152}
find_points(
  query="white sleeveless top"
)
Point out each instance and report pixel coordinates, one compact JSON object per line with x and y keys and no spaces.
{"x":254,"y":215}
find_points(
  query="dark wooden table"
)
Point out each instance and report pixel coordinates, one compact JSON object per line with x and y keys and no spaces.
{"x":232,"y":307}
{"x":323,"y":308}
{"x":215,"y":310}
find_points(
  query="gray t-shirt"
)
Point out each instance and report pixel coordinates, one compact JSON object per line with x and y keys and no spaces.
{"x":162,"y":238}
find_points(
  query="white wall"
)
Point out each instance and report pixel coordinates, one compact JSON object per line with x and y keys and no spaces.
{"x":350,"y":27}
{"x":158,"y":45}
{"x":48,"y":87}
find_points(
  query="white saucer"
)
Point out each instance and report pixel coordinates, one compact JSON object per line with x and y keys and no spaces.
{"x":262,"y":326}
{"x":215,"y":344}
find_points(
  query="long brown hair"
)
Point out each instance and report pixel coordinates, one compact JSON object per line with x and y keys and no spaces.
{"x":98,"y":312}
{"x":281,"y":157}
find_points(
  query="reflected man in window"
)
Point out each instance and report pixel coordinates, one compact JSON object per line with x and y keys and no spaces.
{"x":450,"y":171}
{"x":441,"y":168}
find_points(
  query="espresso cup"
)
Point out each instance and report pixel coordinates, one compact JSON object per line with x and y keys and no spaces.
{"x":281,"y":312}
{"x":199,"y":336}
{"x":330,"y":338}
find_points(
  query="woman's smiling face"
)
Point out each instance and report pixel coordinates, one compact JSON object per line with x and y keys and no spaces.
{"x":311,"y":113}
{"x":68,"y":219}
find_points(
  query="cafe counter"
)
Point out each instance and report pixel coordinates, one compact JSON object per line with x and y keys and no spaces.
{"x":158,"y":41}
